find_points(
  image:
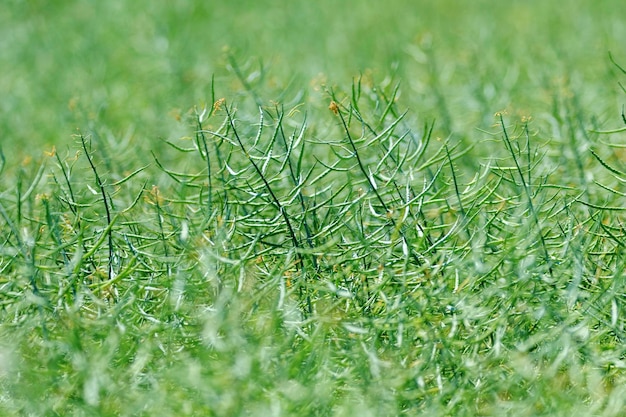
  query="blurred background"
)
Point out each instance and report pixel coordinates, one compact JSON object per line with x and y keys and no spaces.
{"x":137,"y":67}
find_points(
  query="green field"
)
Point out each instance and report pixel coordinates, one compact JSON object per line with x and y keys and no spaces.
{"x":313,"y":208}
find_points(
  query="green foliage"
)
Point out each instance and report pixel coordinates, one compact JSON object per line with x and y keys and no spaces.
{"x":305,"y":246}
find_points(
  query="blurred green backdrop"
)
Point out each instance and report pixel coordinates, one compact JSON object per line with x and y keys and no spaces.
{"x":135,"y":66}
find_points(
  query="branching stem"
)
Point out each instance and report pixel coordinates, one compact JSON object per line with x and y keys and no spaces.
{"x":105,"y":201}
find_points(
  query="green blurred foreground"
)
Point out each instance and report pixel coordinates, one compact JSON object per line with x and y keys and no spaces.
{"x":312,"y":209}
